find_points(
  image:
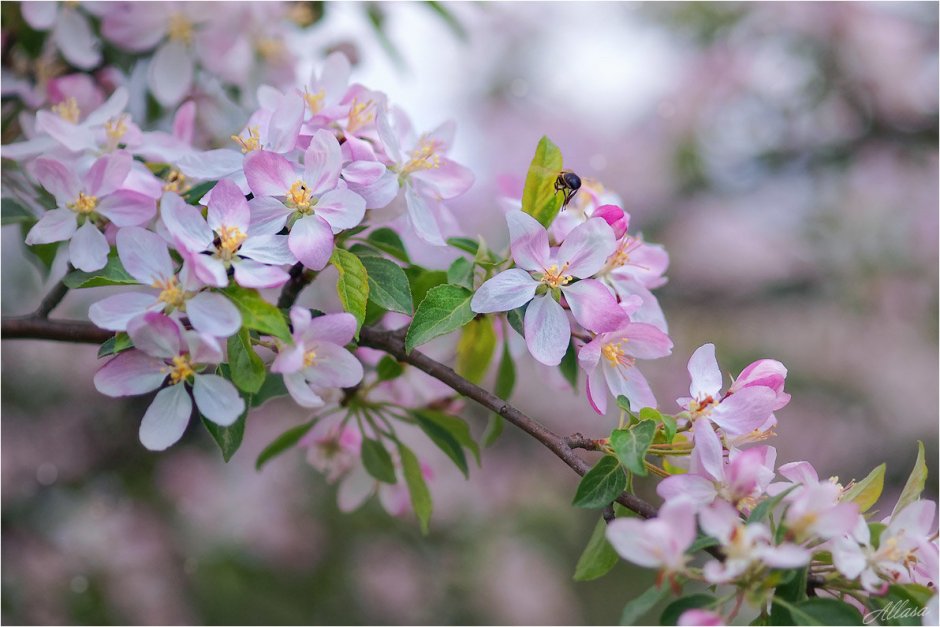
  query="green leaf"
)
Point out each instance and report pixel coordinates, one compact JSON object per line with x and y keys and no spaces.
{"x":539,"y":198}
{"x":450,"y":434}
{"x":866,"y":492}
{"x":388,"y":285}
{"x":12,"y":212}
{"x":820,"y":611}
{"x":119,"y":343}
{"x":636,"y":608}
{"x":648,"y":413}
{"x":198,"y":191}
{"x":257,"y":313}
{"x":601,"y":484}
{"x":388,"y":368}
{"x":674,"y":610}
{"x":505,"y":382}
{"x":387,"y":240}
{"x":569,"y":366}
{"x":765,"y":507}
{"x":272,"y":387}
{"x":461,"y":273}
{"x":352,"y":285}
{"x":464,"y":243}
{"x":630,"y":446}
{"x":915,"y":482}
{"x":793,"y":590}
{"x":377,"y":460}
{"x":417,"y":488}
{"x":246,"y":366}
{"x":422,"y":281}
{"x":598,"y":556}
{"x":875,"y":529}
{"x":701,"y":542}
{"x":516,"y":319}
{"x":282,"y":443}
{"x":475,"y":349}
{"x":901,"y":605}
{"x":446,"y":308}
{"x":228,"y":438}
{"x":113,"y":273}
{"x":669,"y":427}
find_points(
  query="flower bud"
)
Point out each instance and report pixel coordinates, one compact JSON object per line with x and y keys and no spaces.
{"x":616,"y":217}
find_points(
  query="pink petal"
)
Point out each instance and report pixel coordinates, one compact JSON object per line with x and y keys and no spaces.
{"x":285,"y":123}
{"x":217,"y":399}
{"x":629,"y":381}
{"x":268,"y":215}
{"x":171,"y":73}
{"x":185,"y":223}
{"x":334,"y":367}
{"x":166,"y":418}
{"x":448,"y":180}
{"x":337,"y":329}
{"x":799,"y":472}
{"x":88,"y":250}
{"x":300,"y":391}
{"x":127,"y":208}
{"x":597,"y":391}
{"x":705,"y":374}
{"x":213,"y":314}
{"x":420,"y":211}
{"x":130,"y":373}
{"x":144,"y":255}
{"x":184,"y":122}
{"x":249,"y":273}
{"x":289,"y":360}
{"x":707,"y":457}
{"x":311,"y":241}
{"x":228,"y":207}
{"x":156,"y":334}
{"x":341,"y":208}
{"x":108,"y":173}
{"x":59,"y":179}
{"x":75,"y":40}
{"x":214,"y":164}
{"x":507,"y":290}
{"x":322,"y":162}
{"x":629,"y":538}
{"x":268,"y":173}
{"x":136,"y":27}
{"x":587,"y":248}
{"x":113,"y":313}
{"x":529,"y":241}
{"x":694,"y":487}
{"x":593,"y":306}
{"x":39,"y":15}
{"x":74,"y":137}
{"x":54,"y":226}
{"x":209,"y":270}
{"x":270,"y":249}
{"x":547,"y":331}
{"x":744,"y":411}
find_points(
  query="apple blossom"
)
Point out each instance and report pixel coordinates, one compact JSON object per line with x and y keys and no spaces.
{"x":660,"y":542}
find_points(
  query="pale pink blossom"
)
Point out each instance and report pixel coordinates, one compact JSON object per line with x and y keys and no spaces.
{"x":659,"y":542}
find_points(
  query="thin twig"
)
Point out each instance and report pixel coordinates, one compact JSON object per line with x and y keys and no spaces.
{"x":36,"y":328}
{"x":291,"y":290}
{"x":52,"y":299}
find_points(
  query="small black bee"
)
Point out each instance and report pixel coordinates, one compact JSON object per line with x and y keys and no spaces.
{"x":568,"y":183}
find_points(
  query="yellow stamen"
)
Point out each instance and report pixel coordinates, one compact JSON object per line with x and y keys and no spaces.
{"x":115,"y":129}
{"x":181,"y":369}
{"x":315,"y":101}
{"x":180,"y":28}
{"x":68,"y":110}
{"x":230,"y":239}
{"x":614,"y":353}
{"x":298,"y":197}
{"x":310,"y":358}
{"x":360,"y":114}
{"x":176,"y":182}
{"x":269,"y":48}
{"x":84,"y":204}
{"x":171,"y":293}
{"x":302,"y":13}
{"x":252,"y":142}
{"x":555,"y":277}
{"x":424,"y":157}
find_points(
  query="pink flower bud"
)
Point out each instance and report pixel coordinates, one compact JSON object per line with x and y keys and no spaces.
{"x":616,"y":217}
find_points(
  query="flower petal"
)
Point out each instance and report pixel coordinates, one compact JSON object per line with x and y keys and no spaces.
{"x":529,"y":241}
{"x":217,"y":399}
{"x":341,"y":208}
{"x":593,"y":306}
{"x":144,"y":255}
{"x":113,"y":313}
{"x":156,"y":334}
{"x":130,"y":373}
{"x":269,"y":249}
{"x":587,"y":248}
{"x":547,"y":331}
{"x":333,"y":367}
{"x":171,"y":73}
{"x":705,"y":374}
{"x":75,"y":40}
{"x":88,"y":249}
{"x":228,"y":207}
{"x":127,"y":208}
{"x":745,"y":410}
{"x":213,"y":314}
{"x":322,"y":161}
{"x":421,"y":217}
{"x":268,"y":215}
{"x":54,"y":226}
{"x":59,"y":179}
{"x":166,"y":418}
{"x":507,"y":290}
{"x":336,"y":328}
{"x":300,"y":391}
{"x":311,"y":241}
{"x":185,"y":223}
{"x":249,"y":273}
{"x":268,"y":173}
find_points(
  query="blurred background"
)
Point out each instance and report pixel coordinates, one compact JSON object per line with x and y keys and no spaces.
{"x":784,"y":153}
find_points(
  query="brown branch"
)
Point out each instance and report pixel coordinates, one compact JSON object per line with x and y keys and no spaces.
{"x":52,"y":299}
{"x":34,"y":327}
{"x":297,"y":282}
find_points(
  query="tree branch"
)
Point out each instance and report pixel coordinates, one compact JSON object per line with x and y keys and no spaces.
{"x":52,"y":299}
{"x":34,"y":327}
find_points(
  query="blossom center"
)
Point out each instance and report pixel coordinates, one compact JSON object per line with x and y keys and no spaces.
{"x":310,"y":358}
{"x":84,"y":205}
{"x":315,"y":101}
{"x":614,"y":353}
{"x":625,"y":248}
{"x":250,"y":143}
{"x":360,"y":114}
{"x":230,"y":240}
{"x":269,"y":48}
{"x":702,"y":407}
{"x":299,"y":197}
{"x":181,"y":369}
{"x":171,"y":293}
{"x":179,"y":28}
{"x":176,"y":182}
{"x":115,"y":129}
{"x":555,"y":277}
{"x":424,"y":157}
{"x":68,"y":110}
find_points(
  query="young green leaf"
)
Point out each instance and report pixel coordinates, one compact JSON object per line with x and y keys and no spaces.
{"x":388,"y":368}
{"x":377,"y":461}
{"x":636,"y":608}
{"x":915,"y":482}
{"x":765,"y":507}
{"x":283,"y":442}
{"x":113,"y":273}
{"x":631,"y":445}
{"x":119,"y":343}
{"x":598,"y":556}
{"x":388,"y":285}
{"x":475,"y":349}
{"x":516,"y":319}
{"x":674,"y":610}
{"x":569,"y":366}
{"x":422,"y":281}
{"x":257,"y":313}
{"x":866,"y":492}
{"x":539,"y":198}
{"x":450,"y":434}
{"x":464,"y":243}
{"x":245,"y":365}
{"x":446,"y":308}
{"x":821,"y":611}
{"x":669,"y":427}
{"x":461,"y":273}
{"x":601,"y":484}
{"x":388,"y":241}
{"x":194,"y":194}
{"x":352,"y":285}
{"x":417,"y":487}
{"x":228,"y":438}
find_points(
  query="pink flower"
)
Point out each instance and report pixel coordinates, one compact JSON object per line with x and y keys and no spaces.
{"x":610,"y":362}
{"x":325,"y":91}
{"x":317,"y":359}
{"x":815,"y":510}
{"x":737,"y":413}
{"x":163,"y":350}
{"x":617,"y":218}
{"x":332,"y":447}
{"x":71,"y":31}
{"x":85,"y":204}
{"x":228,"y":238}
{"x":740,"y":481}
{"x":146,"y":258}
{"x":358,"y":485}
{"x":700,"y":617}
{"x":428,"y":177}
{"x":544,"y":275}
{"x":659,"y":542}
{"x":744,"y":545}
{"x":314,"y":204}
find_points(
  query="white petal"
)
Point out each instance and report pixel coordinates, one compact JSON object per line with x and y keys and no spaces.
{"x":507,"y":290}
{"x":88,"y":249}
{"x":171,"y":73}
{"x":113,"y":313}
{"x":217,"y":399}
{"x":166,"y":418}
{"x":213,"y":314}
